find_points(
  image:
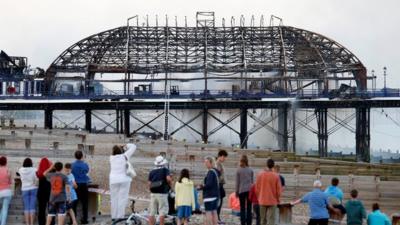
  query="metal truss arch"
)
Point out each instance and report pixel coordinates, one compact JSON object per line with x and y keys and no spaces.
{"x":217,"y":50}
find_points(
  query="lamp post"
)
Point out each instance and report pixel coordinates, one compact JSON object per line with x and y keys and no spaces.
{"x":127,"y":74}
{"x":373,"y":80}
{"x":384,"y":79}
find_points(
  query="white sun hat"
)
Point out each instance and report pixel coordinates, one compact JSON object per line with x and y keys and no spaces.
{"x":160,"y":161}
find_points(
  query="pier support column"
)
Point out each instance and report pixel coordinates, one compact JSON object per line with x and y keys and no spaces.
{"x":322,"y":121}
{"x":363,"y":134}
{"x":119,"y":121}
{"x":294,"y":129}
{"x":48,"y":119}
{"x":204,"y":137}
{"x":243,"y":128}
{"x":283,"y":129}
{"x":88,"y":120}
{"x":127,"y":117}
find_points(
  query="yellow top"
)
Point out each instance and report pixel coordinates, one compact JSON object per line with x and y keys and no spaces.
{"x":184,"y":193}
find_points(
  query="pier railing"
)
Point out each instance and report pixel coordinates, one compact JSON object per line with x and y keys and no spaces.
{"x":212,"y":94}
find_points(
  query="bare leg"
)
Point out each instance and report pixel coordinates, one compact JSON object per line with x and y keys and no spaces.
{"x":208,"y":218}
{"x":26,"y":215}
{"x":152,"y":220}
{"x":48,"y":221}
{"x":185,"y":221}
{"x":162,"y":220}
{"x":60,"y":220}
{"x":32,"y":218}
{"x":180,"y":221}
{"x":214,"y":218}
{"x":73,"y":218}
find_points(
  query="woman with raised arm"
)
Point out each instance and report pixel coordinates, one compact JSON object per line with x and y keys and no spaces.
{"x":120,"y":182}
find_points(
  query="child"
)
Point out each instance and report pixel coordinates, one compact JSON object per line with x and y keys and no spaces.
{"x":184,"y":197}
{"x":234,"y":204}
{"x":29,"y":190}
{"x":72,"y":185}
{"x":355,"y":210}
{"x":335,"y":196}
{"x":253,"y":198}
{"x":59,"y":193}
{"x":80,"y":170}
{"x":377,"y":217}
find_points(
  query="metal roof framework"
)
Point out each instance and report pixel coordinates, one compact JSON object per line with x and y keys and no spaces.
{"x":298,"y":56}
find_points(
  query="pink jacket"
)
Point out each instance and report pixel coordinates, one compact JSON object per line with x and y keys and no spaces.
{"x":5,"y":181}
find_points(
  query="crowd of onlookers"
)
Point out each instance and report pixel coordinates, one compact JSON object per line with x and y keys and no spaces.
{"x":49,"y":192}
{"x":52,"y":190}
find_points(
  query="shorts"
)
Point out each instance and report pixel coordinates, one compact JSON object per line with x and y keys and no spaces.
{"x":70,"y":205}
{"x":211,"y":206}
{"x":29,"y":197}
{"x":57,"y":208}
{"x":158,"y":203}
{"x":184,"y":211}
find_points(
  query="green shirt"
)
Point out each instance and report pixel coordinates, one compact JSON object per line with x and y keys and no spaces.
{"x":355,"y":212}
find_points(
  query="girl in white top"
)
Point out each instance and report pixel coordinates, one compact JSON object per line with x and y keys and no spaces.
{"x":119,"y":181}
{"x":29,"y":188}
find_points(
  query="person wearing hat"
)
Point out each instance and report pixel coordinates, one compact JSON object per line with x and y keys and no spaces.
{"x":159,"y":183}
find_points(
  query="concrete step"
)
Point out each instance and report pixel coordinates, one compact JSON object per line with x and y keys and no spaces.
{"x":15,"y":219}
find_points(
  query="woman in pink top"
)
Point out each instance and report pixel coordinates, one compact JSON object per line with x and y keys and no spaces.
{"x":5,"y":190}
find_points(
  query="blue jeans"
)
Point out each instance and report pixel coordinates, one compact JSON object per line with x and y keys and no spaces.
{"x":5,"y":201}
{"x":29,"y":198}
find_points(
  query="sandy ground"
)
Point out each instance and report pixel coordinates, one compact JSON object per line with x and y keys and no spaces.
{"x":99,"y":164}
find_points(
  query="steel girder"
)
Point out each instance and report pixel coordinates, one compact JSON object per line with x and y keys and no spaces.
{"x":223,"y":52}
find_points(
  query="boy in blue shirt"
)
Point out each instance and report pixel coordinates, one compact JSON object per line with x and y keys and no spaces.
{"x":376,"y":217}
{"x":80,"y":170}
{"x":72,"y":185}
{"x":335,"y":195}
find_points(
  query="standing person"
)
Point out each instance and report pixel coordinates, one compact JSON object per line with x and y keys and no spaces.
{"x":335,"y":195}
{"x":244,"y":180}
{"x":256,"y":207}
{"x":72,"y":186}
{"x":43,"y":193}
{"x":80,"y":170}
{"x":184,"y":197}
{"x":59,"y":193}
{"x":277,"y":169}
{"x":211,"y":192}
{"x":120,"y":182}
{"x":355,"y":209}
{"x":5,"y":190}
{"x":318,"y":205}
{"x":268,"y":191}
{"x":159,"y":183}
{"x":29,"y":190}
{"x":376,"y":217}
{"x":222,"y":154}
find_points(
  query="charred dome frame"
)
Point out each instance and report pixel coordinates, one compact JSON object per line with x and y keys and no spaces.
{"x":297,"y":57}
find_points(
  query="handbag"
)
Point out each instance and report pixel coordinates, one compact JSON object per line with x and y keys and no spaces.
{"x":157,"y":186}
{"x":130,"y":171}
